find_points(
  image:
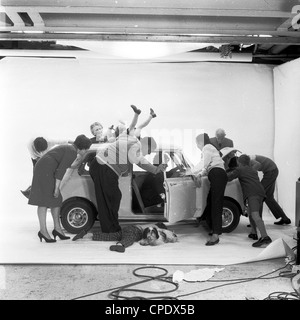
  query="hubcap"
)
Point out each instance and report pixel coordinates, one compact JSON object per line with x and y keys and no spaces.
{"x":77,"y":217}
{"x":227,"y":217}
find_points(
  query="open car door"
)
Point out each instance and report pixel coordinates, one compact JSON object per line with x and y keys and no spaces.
{"x":180,"y":190}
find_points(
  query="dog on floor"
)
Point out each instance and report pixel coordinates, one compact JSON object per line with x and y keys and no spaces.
{"x":154,"y":236}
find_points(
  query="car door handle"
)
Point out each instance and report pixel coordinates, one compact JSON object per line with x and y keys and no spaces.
{"x":173,"y":184}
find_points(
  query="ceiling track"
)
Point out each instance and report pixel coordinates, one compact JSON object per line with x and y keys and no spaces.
{"x":275,"y":40}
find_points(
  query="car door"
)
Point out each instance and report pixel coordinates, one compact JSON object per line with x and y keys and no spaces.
{"x":180,"y":191}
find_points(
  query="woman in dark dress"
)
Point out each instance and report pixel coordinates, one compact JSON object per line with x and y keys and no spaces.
{"x":47,"y":176}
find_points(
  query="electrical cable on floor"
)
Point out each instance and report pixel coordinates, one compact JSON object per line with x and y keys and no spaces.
{"x":280,"y":295}
{"x":287,"y":295}
{"x":116,"y":292}
{"x":162,"y":277}
{"x":283,"y":296}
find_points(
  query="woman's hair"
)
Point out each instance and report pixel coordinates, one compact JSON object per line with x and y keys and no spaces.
{"x":93,"y":125}
{"x":40,"y":144}
{"x":203,"y":137}
{"x":244,"y":160}
{"x":82,"y":142}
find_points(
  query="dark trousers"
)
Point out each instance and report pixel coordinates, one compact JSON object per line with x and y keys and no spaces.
{"x":108,"y":196}
{"x":268,"y":181}
{"x":130,"y":235}
{"x":214,"y":208}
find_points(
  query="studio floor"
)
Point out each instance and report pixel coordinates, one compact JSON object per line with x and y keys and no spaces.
{"x":84,"y":269}
{"x":97,"y":282}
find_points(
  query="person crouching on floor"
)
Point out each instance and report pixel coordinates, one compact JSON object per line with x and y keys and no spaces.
{"x":254,"y":192}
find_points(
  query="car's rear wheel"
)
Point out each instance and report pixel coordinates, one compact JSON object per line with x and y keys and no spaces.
{"x":77,"y":215}
{"x":230,"y":216}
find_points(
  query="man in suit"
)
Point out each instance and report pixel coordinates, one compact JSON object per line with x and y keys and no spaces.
{"x":270,"y":173}
{"x":219,"y":141}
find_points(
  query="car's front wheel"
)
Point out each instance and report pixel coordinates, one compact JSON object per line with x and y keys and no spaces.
{"x":77,"y":215}
{"x":230,"y":216}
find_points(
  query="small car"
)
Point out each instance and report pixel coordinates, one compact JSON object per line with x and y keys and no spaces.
{"x":181,"y":199}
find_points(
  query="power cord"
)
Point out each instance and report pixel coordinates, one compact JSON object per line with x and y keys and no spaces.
{"x":161,"y":277}
{"x":295,"y":280}
{"x":286,"y":295}
{"x":116,"y":292}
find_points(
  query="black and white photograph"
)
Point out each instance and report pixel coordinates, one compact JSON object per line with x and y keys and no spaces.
{"x":150,"y":152}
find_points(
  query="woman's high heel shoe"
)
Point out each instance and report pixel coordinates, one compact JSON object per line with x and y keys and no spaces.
{"x":41,"y":236}
{"x":61,"y":236}
{"x":135,"y":109}
{"x":152,"y":113}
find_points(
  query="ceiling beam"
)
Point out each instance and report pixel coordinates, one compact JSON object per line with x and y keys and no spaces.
{"x":161,"y":20}
{"x":192,"y":11}
{"x":91,"y":32}
{"x":272,"y":5}
{"x":151,"y":38}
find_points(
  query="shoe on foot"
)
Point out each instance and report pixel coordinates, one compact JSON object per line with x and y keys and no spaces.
{"x":283,"y":221}
{"x":253,"y":236}
{"x":212,"y":243}
{"x":153,"y":114}
{"x":135,"y":109}
{"x":262,"y":241}
{"x":117,"y":248}
{"x":80,"y":235}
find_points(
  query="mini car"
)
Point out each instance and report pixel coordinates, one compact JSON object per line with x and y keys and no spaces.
{"x":179,"y":199}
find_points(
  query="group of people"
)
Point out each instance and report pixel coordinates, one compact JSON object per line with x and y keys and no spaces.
{"x":221,"y":168}
{"x":126,"y":147}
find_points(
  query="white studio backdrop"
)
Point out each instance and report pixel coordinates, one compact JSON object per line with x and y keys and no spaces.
{"x":59,"y":99}
{"x":287,"y":124}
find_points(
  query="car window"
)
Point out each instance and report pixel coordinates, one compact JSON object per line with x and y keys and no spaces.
{"x":171,"y":158}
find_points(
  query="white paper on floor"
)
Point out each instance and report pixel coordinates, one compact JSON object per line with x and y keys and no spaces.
{"x":195,"y":275}
{"x":275,"y":249}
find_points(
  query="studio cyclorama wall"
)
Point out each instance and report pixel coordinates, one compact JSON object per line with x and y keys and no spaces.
{"x":287,"y":124}
{"x":59,"y":99}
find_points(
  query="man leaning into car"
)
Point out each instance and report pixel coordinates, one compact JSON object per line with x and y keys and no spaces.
{"x":110,"y":163}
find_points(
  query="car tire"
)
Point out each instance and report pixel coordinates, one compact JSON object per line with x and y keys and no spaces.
{"x":230,"y":216}
{"x":77,"y":215}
